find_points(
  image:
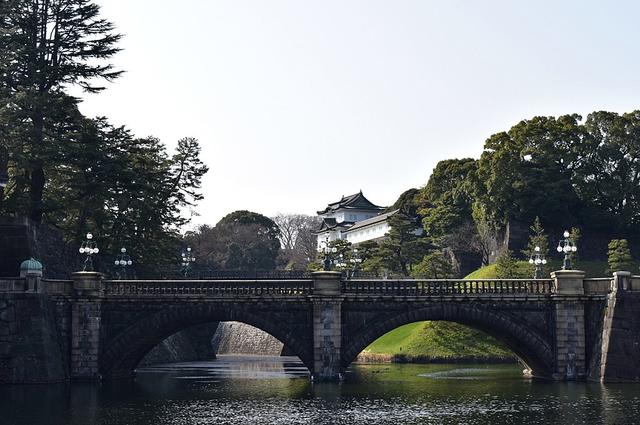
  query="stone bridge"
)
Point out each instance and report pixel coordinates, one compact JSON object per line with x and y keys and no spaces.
{"x":87,"y":328}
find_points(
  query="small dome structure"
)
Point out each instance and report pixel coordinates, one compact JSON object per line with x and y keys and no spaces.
{"x":31,"y":267}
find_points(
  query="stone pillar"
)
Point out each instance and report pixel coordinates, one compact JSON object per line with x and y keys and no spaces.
{"x":569,"y":347}
{"x":327,"y":326}
{"x":33,"y":280}
{"x":621,"y":282}
{"x":86,"y":312}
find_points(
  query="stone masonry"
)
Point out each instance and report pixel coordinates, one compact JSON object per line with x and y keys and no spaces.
{"x":563,"y":328}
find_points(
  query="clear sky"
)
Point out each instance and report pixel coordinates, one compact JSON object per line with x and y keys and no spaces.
{"x":296,"y":102}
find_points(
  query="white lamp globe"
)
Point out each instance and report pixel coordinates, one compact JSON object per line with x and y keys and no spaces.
{"x":537,"y":249}
{"x":89,"y":236}
{"x":544,"y":261}
{"x":530,"y":260}
{"x":81,"y":250}
{"x":116,"y":262}
{"x":566,"y":234}
{"x":129,"y":262}
{"x":559,"y":248}
{"x":96,"y":250}
{"x":123,"y":250}
{"x":574,"y":248}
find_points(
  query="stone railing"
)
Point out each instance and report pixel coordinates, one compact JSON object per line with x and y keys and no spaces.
{"x":635,"y":283}
{"x":600,"y":285}
{"x":429,"y":287}
{"x":209,"y":288}
{"x":16,"y":284}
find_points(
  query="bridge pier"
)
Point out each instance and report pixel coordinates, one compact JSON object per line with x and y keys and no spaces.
{"x":327,"y":326}
{"x":86,"y":313}
{"x":570,"y":345}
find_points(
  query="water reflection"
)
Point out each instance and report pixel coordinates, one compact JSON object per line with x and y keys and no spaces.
{"x":277,"y":390}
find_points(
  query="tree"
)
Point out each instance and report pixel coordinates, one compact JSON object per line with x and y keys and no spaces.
{"x":434,"y":266}
{"x":537,"y":238}
{"x":445,"y":203}
{"x":527,"y":171}
{"x":404,"y":244}
{"x":242,"y":240}
{"x":506,"y":266}
{"x":607,"y":169}
{"x":299,"y":243}
{"x":47,"y":46}
{"x":368,"y":251}
{"x":619,"y":256}
{"x":485,"y":231}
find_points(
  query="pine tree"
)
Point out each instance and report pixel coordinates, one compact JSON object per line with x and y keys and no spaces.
{"x":537,"y":237}
{"x":45,"y":47}
{"x":403,"y":246}
{"x":506,"y":266}
{"x":619,"y":256}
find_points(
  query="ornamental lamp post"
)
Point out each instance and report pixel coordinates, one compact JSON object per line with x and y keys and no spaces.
{"x":124,"y":261}
{"x":537,"y":260}
{"x":88,"y":248}
{"x":568,"y":246}
{"x":327,"y":250}
{"x":187,"y":260}
{"x":355,"y":261}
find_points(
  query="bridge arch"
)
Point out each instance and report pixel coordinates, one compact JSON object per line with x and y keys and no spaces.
{"x":532,"y":348}
{"x":124,"y":352}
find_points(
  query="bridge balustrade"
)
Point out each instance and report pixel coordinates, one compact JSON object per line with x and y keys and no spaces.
{"x":439,"y":287}
{"x":211,"y":288}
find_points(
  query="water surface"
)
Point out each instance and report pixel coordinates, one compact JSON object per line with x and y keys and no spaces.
{"x":277,"y":390}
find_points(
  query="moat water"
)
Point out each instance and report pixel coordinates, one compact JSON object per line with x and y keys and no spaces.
{"x":276,"y":390}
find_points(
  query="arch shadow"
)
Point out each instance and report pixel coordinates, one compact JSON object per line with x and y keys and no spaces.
{"x":125,"y":351}
{"x":532,"y":348}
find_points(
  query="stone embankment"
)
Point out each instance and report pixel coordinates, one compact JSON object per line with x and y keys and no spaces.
{"x":240,"y":338}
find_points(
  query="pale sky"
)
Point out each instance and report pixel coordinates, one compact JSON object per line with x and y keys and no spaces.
{"x":296,"y":103}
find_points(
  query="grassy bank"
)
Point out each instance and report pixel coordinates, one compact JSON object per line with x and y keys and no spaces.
{"x":435,"y":342}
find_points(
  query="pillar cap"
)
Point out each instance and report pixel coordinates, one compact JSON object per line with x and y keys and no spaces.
{"x":326,"y":274}
{"x":31,"y":267}
{"x":568,"y":273}
{"x":86,"y":275}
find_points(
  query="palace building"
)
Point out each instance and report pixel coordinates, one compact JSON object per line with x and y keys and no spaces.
{"x":353,"y":218}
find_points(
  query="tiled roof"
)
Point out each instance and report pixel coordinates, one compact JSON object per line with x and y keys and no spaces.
{"x":355,"y":201}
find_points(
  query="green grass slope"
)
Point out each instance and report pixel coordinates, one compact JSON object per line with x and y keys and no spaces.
{"x":436,"y":341}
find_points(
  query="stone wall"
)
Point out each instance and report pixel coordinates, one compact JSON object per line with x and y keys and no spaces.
{"x":21,"y":239}
{"x":240,"y":338}
{"x":31,"y":347}
{"x":192,"y":344}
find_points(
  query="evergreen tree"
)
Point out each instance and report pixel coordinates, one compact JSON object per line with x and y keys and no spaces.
{"x":45,"y":47}
{"x":403,"y":246}
{"x":506,"y":266}
{"x":619,"y":256}
{"x":537,"y":238}
{"x":434,"y":266}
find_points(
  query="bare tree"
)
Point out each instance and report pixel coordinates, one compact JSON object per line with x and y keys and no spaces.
{"x":298,"y":241}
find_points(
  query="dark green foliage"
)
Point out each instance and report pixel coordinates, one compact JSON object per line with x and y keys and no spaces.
{"x":507,"y":266}
{"x":619,"y":256}
{"x":403,"y":246}
{"x":537,"y":238}
{"x":445,"y":202}
{"x":78,"y":174}
{"x":46,"y":46}
{"x":242,"y":240}
{"x":434,"y":266}
{"x":368,"y":251}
